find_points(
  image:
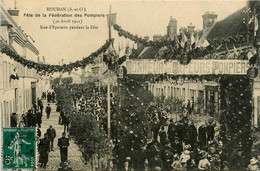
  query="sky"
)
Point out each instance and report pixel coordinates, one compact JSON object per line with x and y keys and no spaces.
{"x":144,"y":18}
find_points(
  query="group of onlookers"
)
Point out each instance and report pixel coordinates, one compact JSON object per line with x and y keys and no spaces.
{"x":50,"y":96}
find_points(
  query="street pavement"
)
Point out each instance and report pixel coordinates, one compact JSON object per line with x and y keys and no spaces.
{"x":74,"y":154}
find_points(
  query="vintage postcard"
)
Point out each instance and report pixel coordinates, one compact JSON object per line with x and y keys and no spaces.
{"x":130,"y":85}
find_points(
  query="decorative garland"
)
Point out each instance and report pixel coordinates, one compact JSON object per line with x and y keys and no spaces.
{"x":176,"y":79}
{"x":173,"y":50}
{"x":230,"y":40}
{"x":47,"y":68}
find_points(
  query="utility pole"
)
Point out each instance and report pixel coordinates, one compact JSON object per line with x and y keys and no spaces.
{"x":108,"y":83}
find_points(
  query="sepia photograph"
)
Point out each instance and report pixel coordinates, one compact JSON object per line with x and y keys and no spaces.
{"x":131,"y":85}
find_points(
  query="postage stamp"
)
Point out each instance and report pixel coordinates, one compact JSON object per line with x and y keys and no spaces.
{"x":19,"y":148}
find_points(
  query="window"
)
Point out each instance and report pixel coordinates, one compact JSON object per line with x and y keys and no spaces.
{"x":168,"y":92}
{"x":1,"y":72}
{"x":183,"y":94}
{"x":193,"y":94}
{"x":6,"y":113}
{"x":8,"y":76}
{"x":5,"y":75}
{"x":171,"y":92}
{"x":200,"y":94}
{"x":11,"y":72}
{"x":11,"y":109}
{"x":178,"y":93}
{"x":2,"y":114}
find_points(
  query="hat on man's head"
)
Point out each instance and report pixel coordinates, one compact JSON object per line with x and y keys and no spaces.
{"x":203,"y":154}
{"x":253,"y":161}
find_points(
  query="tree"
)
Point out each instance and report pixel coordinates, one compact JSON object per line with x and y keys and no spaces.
{"x":132,"y":121}
{"x":235,"y":116}
{"x":67,"y":80}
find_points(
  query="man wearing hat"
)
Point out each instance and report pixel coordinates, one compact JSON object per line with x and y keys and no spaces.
{"x":236,"y":159}
{"x":51,"y":132}
{"x":204,"y":163}
{"x":163,"y":136}
{"x":192,"y":133}
{"x":126,"y":164}
{"x":48,"y":111}
{"x":253,"y":165}
{"x":202,"y":136}
{"x":63,"y":143}
{"x":155,"y":162}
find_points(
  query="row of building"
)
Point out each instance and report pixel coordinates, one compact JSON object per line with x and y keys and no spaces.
{"x":19,"y":86}
{"x":205,"y":93}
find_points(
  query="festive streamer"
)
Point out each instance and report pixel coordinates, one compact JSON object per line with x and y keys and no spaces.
{"x":173,"y":50}
{"x":47,"y":68}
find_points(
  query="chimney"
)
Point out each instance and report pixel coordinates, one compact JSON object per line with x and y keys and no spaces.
{"x":172,"y":28}
{"x":209,"y":18}
{"x":140,"y":44}
{"x":191,"y":28}
{"x":15,"y":15}
{"x":183,"y":29}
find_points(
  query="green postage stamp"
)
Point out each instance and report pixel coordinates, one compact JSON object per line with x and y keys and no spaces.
{"x":19,"y":148}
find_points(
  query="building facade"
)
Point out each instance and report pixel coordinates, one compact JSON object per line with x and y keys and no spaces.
{"x":17,"y":95}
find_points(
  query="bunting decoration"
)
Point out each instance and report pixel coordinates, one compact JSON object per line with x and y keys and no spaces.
{"x":177,"y":47}
{"x":47,"y":68}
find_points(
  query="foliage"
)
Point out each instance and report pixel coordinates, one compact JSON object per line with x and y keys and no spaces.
{"x":132,"y":121}
{"x":47,"y":68}
{"x":235,"y":117}
{"x":67,"y":80}
{"x":200,"y":104}
{"x":174,"y":104}
{"x":85,"y":128}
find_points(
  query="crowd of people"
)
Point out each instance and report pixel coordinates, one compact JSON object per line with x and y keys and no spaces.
{"x":33,"y":118}
{"x":183,"y":144}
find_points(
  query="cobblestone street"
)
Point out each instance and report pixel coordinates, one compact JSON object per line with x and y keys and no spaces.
{"x":74,"y":155}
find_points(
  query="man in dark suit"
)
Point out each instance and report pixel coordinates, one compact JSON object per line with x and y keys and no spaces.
{"x":63,"y":143}
{"x":38,"y":118}
{"x":163,"y":136}
{"x":13,"y":120}
{"x":48,"y":111}
{"x":51,"y":132}
{"x":40,"y":104}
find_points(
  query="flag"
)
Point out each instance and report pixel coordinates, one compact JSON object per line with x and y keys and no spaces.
{"x":119,"y":49}
{"x":228,"y":53}
{"x":177,"y":42}
{"x":192,"y":41}
{"x":197,"y":38}
{"x":252,"y":56}
{"x":183,"y":39}
{"x":205,"y":44}
{"x":111,"y":19}
{"x":255,"y":25}
{"x":219,"y":47}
